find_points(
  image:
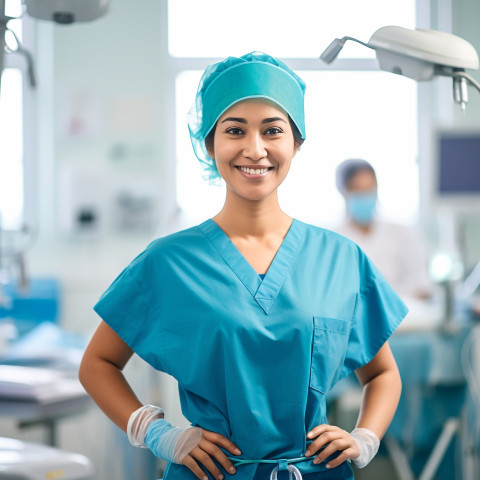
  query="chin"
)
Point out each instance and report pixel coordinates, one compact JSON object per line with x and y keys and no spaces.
{"x":254,"y":195}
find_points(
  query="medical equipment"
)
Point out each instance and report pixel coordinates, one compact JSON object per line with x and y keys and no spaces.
{"x":419,"y":54}
{"x":58,"y":11}
{"x":67,"y":11}
{"x":254,"y":75}
{"x":454,"y":182}
{"x":29,"y":461}
{"x":429,"y":419}
{"x":13,"y":46}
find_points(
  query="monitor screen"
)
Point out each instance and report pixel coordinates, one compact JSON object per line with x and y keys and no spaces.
{"x":459,"y":164}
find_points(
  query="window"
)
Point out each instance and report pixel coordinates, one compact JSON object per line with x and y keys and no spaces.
{"x":300,"y":29}
{"x":355,"y":112}
{"x":11,"y":132}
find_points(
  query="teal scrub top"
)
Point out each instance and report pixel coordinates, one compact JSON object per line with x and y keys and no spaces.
{"x":254,"y":359}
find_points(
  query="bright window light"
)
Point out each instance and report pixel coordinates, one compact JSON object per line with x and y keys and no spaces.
{"x":11,"y":149}
{"x":369,"y":115}
{"x":300,"y":29}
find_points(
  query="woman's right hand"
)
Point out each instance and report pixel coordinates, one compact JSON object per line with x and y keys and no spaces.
{"x":207,"y":451}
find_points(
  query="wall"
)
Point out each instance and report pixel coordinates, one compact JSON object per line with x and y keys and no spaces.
{"x":100,"y":131}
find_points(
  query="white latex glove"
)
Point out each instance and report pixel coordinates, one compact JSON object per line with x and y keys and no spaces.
{"x":368,"y":443}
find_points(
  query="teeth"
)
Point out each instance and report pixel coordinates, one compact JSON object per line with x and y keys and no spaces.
{"x":252,"y":171}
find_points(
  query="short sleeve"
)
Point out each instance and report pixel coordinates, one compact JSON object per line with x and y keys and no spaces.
{"x":130,"y":311}
{"x":378,"y":312}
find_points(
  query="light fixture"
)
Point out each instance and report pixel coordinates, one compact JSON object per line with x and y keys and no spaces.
{"x":419,"y":54}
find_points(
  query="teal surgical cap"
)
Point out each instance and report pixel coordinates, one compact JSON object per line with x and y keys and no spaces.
{"x":223,"y":84}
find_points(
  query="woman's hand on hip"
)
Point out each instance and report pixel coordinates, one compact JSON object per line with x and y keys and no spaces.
{"x":207,"y":451}
{"x":332,"y":439}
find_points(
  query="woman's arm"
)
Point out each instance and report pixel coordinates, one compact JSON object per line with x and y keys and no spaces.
{"x":101,"y":375}
{"x":382,"y":386}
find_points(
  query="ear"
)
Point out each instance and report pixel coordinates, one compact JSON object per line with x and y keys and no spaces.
{"x":209,"y":148}
{"x":296,"y":147}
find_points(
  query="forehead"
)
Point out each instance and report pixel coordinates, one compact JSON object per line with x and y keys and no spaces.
{"x":255,"y":107}
{"x":363,"y":179}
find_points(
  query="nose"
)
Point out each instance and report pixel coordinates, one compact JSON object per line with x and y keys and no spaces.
{"x":254,"y":147}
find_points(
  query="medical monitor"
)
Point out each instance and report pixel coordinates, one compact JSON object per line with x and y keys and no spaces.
{"x":458,"y":169}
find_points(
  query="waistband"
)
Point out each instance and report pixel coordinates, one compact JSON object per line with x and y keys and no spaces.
{"x":282,"y":464}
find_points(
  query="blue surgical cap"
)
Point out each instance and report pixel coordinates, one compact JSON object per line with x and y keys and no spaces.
{"x":223,"y":84}
{"x":348,"y":169}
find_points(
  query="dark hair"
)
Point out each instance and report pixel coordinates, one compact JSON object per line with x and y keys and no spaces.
{"x":348,"y":169}
{"x":209,"y":139}
{"x":296,"y":135}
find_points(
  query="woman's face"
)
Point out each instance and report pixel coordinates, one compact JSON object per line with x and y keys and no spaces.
{"x":253,"y":148}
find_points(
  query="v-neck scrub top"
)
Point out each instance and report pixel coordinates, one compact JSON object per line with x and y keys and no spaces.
{"x":254,"y":359}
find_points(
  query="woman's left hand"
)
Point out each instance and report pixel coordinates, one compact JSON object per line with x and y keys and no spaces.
{"x":334,"y":439}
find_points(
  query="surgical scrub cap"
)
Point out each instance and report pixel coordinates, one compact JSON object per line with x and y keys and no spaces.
{"x":254,"y":75}
{"x":347,"y":170}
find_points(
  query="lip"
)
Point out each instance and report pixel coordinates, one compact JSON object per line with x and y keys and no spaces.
{"x":254,"y":167}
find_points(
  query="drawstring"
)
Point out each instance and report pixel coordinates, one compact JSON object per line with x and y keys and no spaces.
{"x":282,"y":465}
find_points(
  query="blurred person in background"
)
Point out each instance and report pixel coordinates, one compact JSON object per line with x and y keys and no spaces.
{"x":396,"y":250}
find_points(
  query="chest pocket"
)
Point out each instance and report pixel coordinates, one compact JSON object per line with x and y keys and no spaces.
{"x":330,"y":339}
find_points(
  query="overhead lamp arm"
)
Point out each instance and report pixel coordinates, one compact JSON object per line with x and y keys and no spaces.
{"x":332,"y":51}
{"x":419,"y":54}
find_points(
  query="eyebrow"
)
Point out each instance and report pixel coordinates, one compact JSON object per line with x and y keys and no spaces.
{"x":242,"y":120}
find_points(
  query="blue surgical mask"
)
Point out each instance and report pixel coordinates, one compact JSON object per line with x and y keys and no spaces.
{"x":361,"y":206}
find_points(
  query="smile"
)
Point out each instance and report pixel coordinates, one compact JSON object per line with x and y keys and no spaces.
{"x":254,"y":171}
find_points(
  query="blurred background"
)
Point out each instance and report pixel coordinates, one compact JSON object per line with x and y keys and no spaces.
{"x":96,"y":161}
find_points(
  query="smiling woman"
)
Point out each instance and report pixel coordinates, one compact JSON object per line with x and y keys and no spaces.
{"x":253,"y":142}
{"x":253,"y":75}
{"x":256,"y":314}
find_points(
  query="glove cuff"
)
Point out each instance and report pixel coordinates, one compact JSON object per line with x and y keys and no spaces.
{"x":138,"y":423}
{"x":368,"y":443}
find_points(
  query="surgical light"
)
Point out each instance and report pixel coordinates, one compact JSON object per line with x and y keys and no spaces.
{"x":419,"y":54}
{"x":67,"y":11}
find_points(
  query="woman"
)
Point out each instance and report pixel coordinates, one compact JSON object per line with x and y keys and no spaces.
{"x":256,"y":314}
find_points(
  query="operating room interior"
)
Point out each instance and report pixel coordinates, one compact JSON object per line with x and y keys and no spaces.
{"x":96,"y":162}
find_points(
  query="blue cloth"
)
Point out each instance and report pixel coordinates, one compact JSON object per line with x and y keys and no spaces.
{"x":254,"y":359}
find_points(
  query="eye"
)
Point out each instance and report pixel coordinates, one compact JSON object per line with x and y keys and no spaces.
{"x":273,"y":131}
{"x":234,"y":131}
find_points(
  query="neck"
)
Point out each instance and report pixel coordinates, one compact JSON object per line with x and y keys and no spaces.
{"x":240,"y":217}
{"x":364,"y":228}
